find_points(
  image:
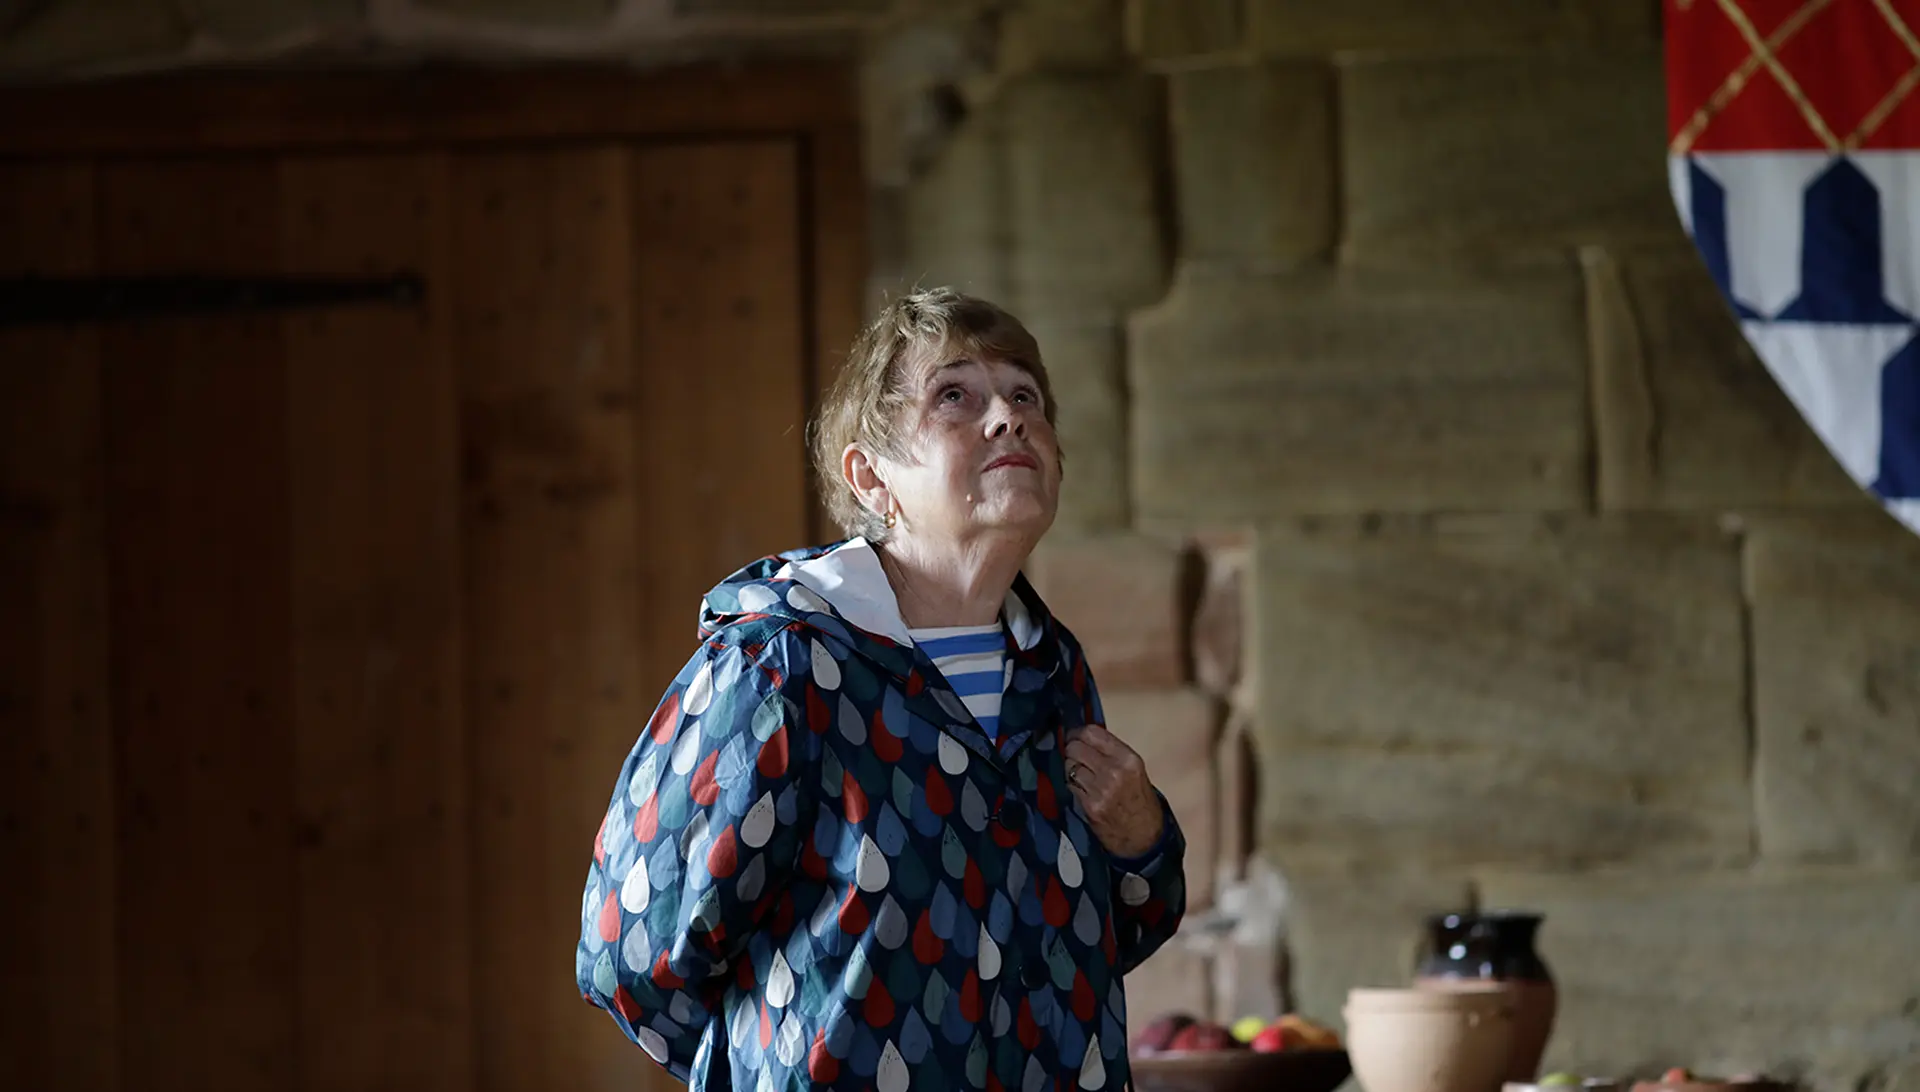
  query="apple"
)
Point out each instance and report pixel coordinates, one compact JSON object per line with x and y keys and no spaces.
{"x":1158,"y":1035}
{"x":1275,"y":1038}
{"x":1203,"y":1036}
{"x":1245,"y":1028}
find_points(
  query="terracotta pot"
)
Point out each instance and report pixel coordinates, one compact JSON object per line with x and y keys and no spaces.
{"x":1419,"y":1040}
{"x":1497,"y":946}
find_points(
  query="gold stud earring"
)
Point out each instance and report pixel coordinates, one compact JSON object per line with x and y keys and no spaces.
{"x":892,"y":519}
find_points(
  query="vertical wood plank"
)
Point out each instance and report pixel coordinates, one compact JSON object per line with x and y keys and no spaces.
{"x":385,"y":989}
{"x":59,"y":1016}
{"x":723,"y":374}
{"x":196,"y":474}
{"x":540,"y":278}
{"x":835,"y":223}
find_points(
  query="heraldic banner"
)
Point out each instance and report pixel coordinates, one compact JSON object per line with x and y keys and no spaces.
{"x":1794,"y":155}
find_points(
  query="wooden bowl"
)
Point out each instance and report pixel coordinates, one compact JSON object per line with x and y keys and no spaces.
{"x":1304,"y":1070}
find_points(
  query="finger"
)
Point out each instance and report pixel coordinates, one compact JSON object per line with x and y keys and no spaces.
{"x":1102,"y":739}
{"x":1084,"y":753}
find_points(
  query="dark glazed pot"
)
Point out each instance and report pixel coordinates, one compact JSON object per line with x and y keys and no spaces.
{"x":1497,"y":946}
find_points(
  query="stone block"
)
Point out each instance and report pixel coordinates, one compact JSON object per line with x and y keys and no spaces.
{"x":1836,"y":654}
{"x":1063,"y":36}
{"x":1803,"y":976}
{"x":1351,"y":927}
{"x":250,"y":22}
{"x":1360,"y":390}
{"x":956,"y":213}
{"x":1174,"y":732}
{"x":1685,"y":414}
{"x":1172,"y":29}
{"x":1254,"y":157}
{"x":779,"y":8}
{"x":1086,"y":364}
{"x":1237,"y":768}
{"x":1125,"y":598}
{"x":1477,"y":154}
{"x":1082,"y":164}
{"x":544,"y":13}
{"x":1173,"y":979}
{"x":1304,"y":26}
{"x":1219,"y":623}
{"x":76,"y":37}
{"x":1502,"y":689}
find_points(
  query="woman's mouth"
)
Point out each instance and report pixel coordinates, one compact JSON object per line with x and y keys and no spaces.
{"x":1027,"y":461}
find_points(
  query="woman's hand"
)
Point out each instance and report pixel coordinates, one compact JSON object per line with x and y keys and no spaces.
{"x":1110,"y":781}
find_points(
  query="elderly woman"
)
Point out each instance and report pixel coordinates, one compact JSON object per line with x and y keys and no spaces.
{"x":876,"y":834}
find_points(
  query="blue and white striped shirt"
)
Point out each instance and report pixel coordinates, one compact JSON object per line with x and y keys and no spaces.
{"x":974,"y":661}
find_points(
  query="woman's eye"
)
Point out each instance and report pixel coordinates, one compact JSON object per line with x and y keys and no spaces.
{"x":1023,"y":396}
{"x":952,"y":394}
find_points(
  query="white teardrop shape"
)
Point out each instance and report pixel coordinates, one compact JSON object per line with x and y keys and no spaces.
{"x":757,"y":827}
{"x":686,"y":752}
{"x":636,"y":948}
{"x":1069,"y":862}
{"x":989,"y":956}
{"x":644,"y":779}
{"x":872,"y":872}
{"x":766,"y":1080}
{"x":1093,"y":1070}
{"x":802,"y":598}
{"x":779,"y":982}
{"x":699,"y":691}
{"x":754,"y":598}
{"x":890,"y":924}
{"x":636,"y":891}
{"x":791,"y":1045}
{"x":651,"y":1042}
{"x":852,"y":725}
{"x":893,"y":1075}
{"x":1134,"y":889}
{"x":826,"y":669}
{"x":953,"y":757}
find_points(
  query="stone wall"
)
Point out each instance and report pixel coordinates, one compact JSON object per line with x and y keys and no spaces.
{"x":1430,"y":527}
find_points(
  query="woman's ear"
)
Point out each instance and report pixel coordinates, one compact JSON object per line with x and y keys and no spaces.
{"x":862,"y":474}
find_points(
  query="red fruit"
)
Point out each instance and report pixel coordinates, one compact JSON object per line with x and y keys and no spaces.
{"x":1158,"y":1035}
{"x":1272,"y":1040}
{"x":1205,"y":1037}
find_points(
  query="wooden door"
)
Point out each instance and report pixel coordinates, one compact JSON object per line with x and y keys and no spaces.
{"x":325,"y":631}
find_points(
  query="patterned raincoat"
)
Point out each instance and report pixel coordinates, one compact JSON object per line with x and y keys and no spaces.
{"x":816,"y":870}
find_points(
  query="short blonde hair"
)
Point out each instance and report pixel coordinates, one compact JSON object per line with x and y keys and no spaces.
{"x":865,"y":403}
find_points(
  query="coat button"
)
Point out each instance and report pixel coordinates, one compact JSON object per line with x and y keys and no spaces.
{"x":1033,"y":976}
{"x":1012,"y":814}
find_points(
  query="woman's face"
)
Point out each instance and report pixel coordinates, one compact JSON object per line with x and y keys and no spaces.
{"x":979,"y":454}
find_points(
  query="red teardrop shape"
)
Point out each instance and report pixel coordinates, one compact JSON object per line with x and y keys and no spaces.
{"x":704,"y":789}
{"x":725,"y":855}
{"x":610,"y":918}
{"x":970,"y":1006}
{"x":663,"y":975}
{"x":665,"y":719}
{"x":822,"y":1066}
{"x":927,"y":945}
{"x":1028,"y":1031}
{"x":1045,"y":797}
{"x":1082,"y":997}
{"x":884,"y":743}
{"x":773,"y":755}
{"x":630,"y":1009}
{"x":878,"y":1005}
{"x":853,"y":799}
{"x":1054,"y":904}
{"x":974,"y":886}
{"x":853,"y":915}
{"x":939,"y":796}
{"x":819,"y":713}
{"x":766,"y":1027}
{"x":646,"y":823}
